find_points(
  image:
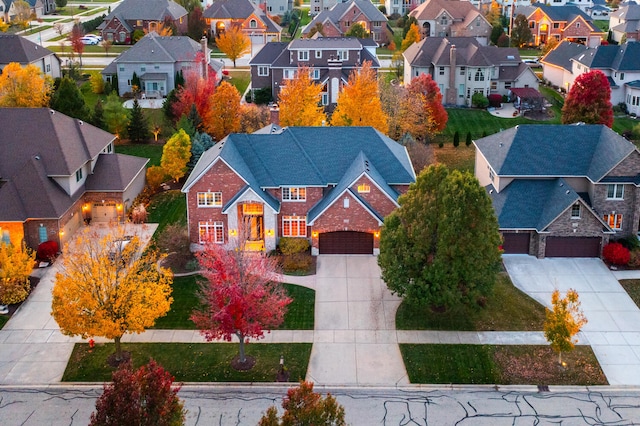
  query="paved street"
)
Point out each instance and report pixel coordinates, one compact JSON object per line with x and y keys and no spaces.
{"x":233,"y":405}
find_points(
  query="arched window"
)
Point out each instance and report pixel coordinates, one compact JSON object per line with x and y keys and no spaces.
{"x":253,"y":23}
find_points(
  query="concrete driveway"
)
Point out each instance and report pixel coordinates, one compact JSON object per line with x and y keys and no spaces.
{"x":613,"y":330}
{"x":355,"y":342}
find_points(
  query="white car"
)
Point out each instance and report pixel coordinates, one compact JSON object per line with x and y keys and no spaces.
{"x":97,"y":37}
{"x":89,"y":40}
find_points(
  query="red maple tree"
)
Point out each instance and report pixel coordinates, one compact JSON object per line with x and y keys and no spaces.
{"x":239,"y":297}
{"x":589,"y":100}
{"x":423,"y":113}
{"x":197,"y":91}
{"x":141,"y":397}
{"x":75,"y":38}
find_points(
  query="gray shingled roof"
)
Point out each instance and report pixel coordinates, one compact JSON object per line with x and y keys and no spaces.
{"x":431,"y":9}
{"x":561,"y":13}
{"x":115,"y":172}
{"x":315,"y":156}
{"x":531,"y":204}
{"x":336,"y":13}
{"x":563,"y":53}
{"x":239,"y":9}
{"x":153,"y":48}
{"x":268,"y":54}
{"x":555,"y":151}
{"x":628,"y":11}
{"x":15,"y":48}
{"x":469,"y":52}
{"x":154,"y":10}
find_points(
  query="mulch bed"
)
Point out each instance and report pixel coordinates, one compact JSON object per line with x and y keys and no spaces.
{"x":178,"y":262}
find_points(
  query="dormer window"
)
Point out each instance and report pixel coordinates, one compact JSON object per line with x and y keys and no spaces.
{"x":443,"y":20}
{"x":78,"y":175}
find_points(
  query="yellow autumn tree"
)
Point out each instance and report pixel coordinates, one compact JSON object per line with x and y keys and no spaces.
{"x":24,"y":87}
{"x":359,"y":102}
{"x":233,"y":43}
{"x":176,"y":154}
{"x":16,"y":264}
{"x":299,"y":101}
{"x":413,"y":36}
{"x":563,"y":321}
{"x":224,"y":115}
{"x":107,"y":287}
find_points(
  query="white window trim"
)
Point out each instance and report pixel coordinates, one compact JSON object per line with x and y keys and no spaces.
{"x":211,"y":199}
{"x":288,"y":191}
{"x":263,"y":70}
{"x":615,"y":191}
{"x":579,"y":211}
{"x":299,"y":220}
{"x":617,"y":224}
{"x":318,"y":54}
{"x":210,"y":230}
{"x":303,"y":55}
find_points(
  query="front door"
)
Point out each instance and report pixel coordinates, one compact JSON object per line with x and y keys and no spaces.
{"x":253,"y":226}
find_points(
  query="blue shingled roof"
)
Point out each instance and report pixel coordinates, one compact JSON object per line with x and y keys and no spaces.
{"x":531,"y":204}
{"x":555,"y":150}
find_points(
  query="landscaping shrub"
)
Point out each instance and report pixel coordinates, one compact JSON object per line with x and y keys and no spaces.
{"x":479,"y":100}
{"x":296,"y":262}
{"x":634,"y":259}
{"x":456,"y":139}
{"x":631,"y":242}
{"x":495,"y":100}
{"x":290,"y":245}
{"x":47,"y":251}
{"x":155,"y":177}
{"x":616,"y":254}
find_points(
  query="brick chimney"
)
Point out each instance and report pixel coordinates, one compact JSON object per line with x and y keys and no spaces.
{"x":452,"y":90}
{"x":206,"y":57}
{"x":274,"y":113}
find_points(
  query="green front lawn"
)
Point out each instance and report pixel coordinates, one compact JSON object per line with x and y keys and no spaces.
{"x":240,"y":79}
{"x":193,"y":362}
{"x":632,"y":287}
{"x":300,"y":313}
{"x":3,"y":320}
{"x":167,"y":208}
{"x":503,"y":365}
{"x":507,"y":309}
{"x":479,"y":122}
{"x":151,"y":151}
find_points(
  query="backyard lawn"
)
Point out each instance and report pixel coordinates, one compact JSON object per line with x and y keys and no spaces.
{"x":240,"y":79}
{"x":166,"y":208}
{"x":192,"y":362}
{"x":502,"y":365}
{"x":300,"y":313}
{"x":508,"y":309}
{"x":151,"y":151}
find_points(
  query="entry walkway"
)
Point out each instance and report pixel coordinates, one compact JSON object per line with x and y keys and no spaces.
{"x":613,"y":330}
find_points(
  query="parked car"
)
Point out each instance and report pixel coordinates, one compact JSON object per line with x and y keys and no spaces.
{"x":89,"y":40}
{"x":97,"y":37}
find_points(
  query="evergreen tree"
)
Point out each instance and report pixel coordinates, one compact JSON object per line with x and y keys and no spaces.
{"x":97,"y":118}
{"x":167,"y":107}
{"x":138,"y":127}
{"x":424,"y":256}
{"x":194,"y":118}
{"x":199,"y":144}
{"x":185,"y":124}
{"x":135,"y":83}
{"x":456,"y":139}
{"x":68,"y":100}
{"x":468,"y":141}
{"x":179,"y":79}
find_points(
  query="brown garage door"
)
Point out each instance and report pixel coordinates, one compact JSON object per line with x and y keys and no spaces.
{"x":346,"y":242}
{"x":573,"y":247}
{"x":516,"y":243}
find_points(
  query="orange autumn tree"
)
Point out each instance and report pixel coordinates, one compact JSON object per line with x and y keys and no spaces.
{"x":223,"y":116}
{"x":423,"y":115}
{"x":299,"y":101}
{"x":107,"y":287}
{"x":413,"y":36}
{"x":196,"y":91}
{"x":233,"y":43}
{"x":16,"y":264}
{"x":24,"y":87}
{"x":359,"y":102}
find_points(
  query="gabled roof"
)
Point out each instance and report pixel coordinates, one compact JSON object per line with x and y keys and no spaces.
{"x":565,"y":13}
{"x":338,"y":11}
{"x":360,"y":166}
{"x":15,"y":48}
{"x":533,"y":150}
{"x":62,"y":143}
{"x":308,"y":156}
{"x":152,"y":10}
{"x":562,"y":54}
{"x":469,"y":52}
{"x":153,"y":48}
{"x":114,"y":172}
{"x":239,"y":10}
{"x":430,"y":9}
{"x":629,"y":11}
{"x":531,"y":203}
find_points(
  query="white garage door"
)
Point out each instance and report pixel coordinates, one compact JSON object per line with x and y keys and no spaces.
{"x":104,"y":212}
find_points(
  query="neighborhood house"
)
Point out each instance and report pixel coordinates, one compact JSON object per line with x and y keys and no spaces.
{"x":331,"y":185}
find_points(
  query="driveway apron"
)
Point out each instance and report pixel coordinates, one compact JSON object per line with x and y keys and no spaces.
{"x":613,"y":330}
{"x":355,"y":342}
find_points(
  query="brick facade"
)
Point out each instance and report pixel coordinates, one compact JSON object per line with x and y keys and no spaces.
{"x":375,"y":197}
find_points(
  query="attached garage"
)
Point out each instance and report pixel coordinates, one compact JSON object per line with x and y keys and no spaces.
{"x":516,"y":243}
{"x":106,"y":212}
{"x":573,"y":247}
{"x":346,"y":242}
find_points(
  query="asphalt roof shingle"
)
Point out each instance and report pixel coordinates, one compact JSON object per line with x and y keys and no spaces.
{"x":155,"y":10}
{"x":15,"y":48}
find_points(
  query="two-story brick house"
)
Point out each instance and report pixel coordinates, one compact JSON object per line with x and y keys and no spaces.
{"x":336,"y":21}
{"x":331,"y":185}
{"x":253,"y":21}
{"x":330,"y":60}
{"x":452,"y":18}
{"x":561,"y":190}
{"x":143,"y":15}
{"x":56,"y":172}
{"x":562,"y":23}
{"x":461,"y":66}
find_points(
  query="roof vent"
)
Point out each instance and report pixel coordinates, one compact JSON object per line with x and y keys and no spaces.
{"x":80,"y":121}
{"x":561,"y":184}
{"x":491,"y":191}
{"x":37,"y":157}
{"x":567,"y":192}
{"x":52,"y":111}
